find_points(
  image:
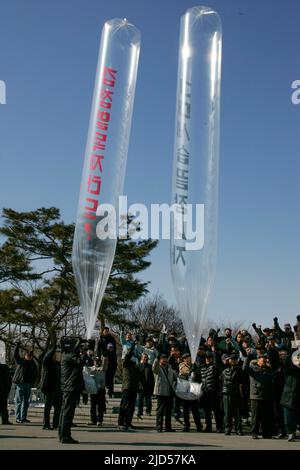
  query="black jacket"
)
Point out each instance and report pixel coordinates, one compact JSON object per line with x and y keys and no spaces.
{"x":291,"y":392}
{"x":231,"y":379}
{"x":102,"y":345}
{"x":51,"y":375}
{"x":71,"y":372}
{"x":26,"y":371}
{"x":131,"y":373}
{"x":286,"y":337}
{"x":5,"y":381}
{"x":261,"y":380}
{"x":210,"y":375}
{"x":146,"y":378}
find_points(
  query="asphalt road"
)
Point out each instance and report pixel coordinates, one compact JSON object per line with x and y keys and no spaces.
{"x":32,"y":437}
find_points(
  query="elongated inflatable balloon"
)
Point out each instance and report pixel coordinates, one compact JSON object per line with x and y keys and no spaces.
{"x":195,"y":168}
{"x":104,"y":164}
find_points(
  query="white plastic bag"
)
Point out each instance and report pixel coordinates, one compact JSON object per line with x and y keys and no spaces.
{"x":187,"y":390}
{"x":90,"y":384}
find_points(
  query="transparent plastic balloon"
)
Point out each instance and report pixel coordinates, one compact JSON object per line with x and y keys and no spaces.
{"x":105,"y":162}
{"x":195,"y":168}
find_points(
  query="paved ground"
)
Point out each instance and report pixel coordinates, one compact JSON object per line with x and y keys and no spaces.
{"x":32,"y":437}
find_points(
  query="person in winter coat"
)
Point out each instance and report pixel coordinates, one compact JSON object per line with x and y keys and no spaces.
{"x":227,"y":343}
{"x":98,"y":399}
{"x":150,"y":350}
{"x":261,"y":394}
{"x":130,"y":388}
{"x":286,"y":335}
{"x":5,"y":385}
{"x":174,"y":360}
{"x":278,"y":386}
{"x":290,"y":399}
{"x":72,"y":384}
{"x":126,"y":342}
{"x":147,"y":385}
{"x":210,"y":374}
{"x":107,"y":349}
{"x":25,"y":377}
{"x":165,"y":379}
{"x":51,"y":388}
{"x":189,"y":371}
{"x":231,"y":383}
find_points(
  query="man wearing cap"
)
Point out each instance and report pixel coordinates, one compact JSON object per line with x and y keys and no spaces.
{"x":231,"y":383}
{"x":261,"y":394}
{"x":286,"y":335}
{"x":210,"y":374}
{"x":150,"y":350}
{"x":165,"y":379}
{"x":262,"y":334}
{"x":189,"y":371}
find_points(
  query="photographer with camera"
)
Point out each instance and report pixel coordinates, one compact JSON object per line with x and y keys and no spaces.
{"x":72,"y":384}
{"x":51,"y":387}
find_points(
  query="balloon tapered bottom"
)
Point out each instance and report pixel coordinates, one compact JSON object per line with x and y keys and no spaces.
{"x":193,"y":335}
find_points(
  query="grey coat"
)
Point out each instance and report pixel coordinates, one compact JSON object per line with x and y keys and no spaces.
{"x":163,"y":382}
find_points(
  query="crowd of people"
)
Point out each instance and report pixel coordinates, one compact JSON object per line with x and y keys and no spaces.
{"x":242,"y":378}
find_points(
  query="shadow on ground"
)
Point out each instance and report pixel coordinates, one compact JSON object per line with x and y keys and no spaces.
{"x":151,"y":444}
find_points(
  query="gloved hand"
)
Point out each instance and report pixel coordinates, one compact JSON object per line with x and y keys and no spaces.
{"x":275,"y":320}
{"x":254,"y":325}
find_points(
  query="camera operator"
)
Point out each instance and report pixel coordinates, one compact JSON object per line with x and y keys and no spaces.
{"x":72,"y":384}
{"x":51,"y":387}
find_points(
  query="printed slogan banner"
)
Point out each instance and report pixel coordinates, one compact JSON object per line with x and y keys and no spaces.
{"x":105,"y":161}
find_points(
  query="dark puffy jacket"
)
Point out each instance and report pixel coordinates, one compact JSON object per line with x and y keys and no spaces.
{"x":261,"y":380}
{"x":131,"y":374}
{"x":231,"y":378}
{"x":26,"y":371}
{"x":5,"y":381}
{"x":210,"y":375}
{"x":51,"y":375}
{"x":71,"y":372}
{"x":291,"y":392}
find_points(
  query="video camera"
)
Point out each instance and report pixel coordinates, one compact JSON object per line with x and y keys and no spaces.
{"x":76,"y":343}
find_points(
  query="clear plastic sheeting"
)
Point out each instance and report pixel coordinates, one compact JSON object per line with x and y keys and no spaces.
{"x":187,"y":390}
{"x":195,"y":166}
{"x":104,"y":164}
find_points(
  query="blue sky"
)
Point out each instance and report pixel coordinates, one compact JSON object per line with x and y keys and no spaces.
{"x":48,"y":56}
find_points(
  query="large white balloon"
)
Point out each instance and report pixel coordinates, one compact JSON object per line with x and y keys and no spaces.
{"x":195,"y":167}
{"x":104,"y":163}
